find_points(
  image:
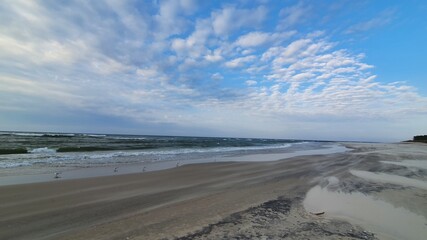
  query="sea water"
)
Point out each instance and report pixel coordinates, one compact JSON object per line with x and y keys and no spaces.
{"x":36,"y":157}
{"x":19,"y":149}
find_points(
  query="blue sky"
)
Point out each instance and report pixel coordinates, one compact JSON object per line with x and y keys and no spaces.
{"x":337,"y":70}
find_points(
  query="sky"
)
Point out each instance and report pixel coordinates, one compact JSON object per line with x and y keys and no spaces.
{"x":331,"y":70}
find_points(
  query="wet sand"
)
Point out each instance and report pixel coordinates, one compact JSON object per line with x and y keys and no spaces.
{"x":229,"y":200}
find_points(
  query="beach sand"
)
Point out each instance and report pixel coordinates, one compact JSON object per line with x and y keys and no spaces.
{"x":233,"y":200}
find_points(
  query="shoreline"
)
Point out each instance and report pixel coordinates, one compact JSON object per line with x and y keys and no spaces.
{"x":221,"y":200}
{"x":133,"y":168}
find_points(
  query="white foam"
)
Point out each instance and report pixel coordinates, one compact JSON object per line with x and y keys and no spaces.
{"x":94,"y":135}
{"x":43,"y":150}
{"x":28,"y":134}
{"x":127,"y":138}
{"x":59,"y":134}
{"x":180,"y":151}
{"x":8,"y":164}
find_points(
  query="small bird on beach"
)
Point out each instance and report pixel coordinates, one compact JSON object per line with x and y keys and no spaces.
{"x":143,"y":169}
{"x":177,"y":164}
{"x":57,"y":175}
{"x":116,"y":169}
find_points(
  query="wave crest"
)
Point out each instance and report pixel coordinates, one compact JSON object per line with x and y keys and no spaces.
{"x":42,"y":150}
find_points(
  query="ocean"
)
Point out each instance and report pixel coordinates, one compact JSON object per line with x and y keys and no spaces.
{"x":21,"y":149}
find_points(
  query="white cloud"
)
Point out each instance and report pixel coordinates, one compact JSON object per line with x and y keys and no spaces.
{"x":43,"y":52}
{"x":214,"y":57}
{"x":147,"y":73}
{"x":108,"y":66}
{"x":291,"y":16}
{"x":253,"y":39}
{"x":302,"y":76}
{"x":294,"y":47}
{"x":194,"y":46}
{"x":312,"y":79}
{"x":382,"y":19}
{"x":170,"y":19}
{"x":179,"y":45}
{"x":251,"y":82}
{"x":55,"y":92}
{"x":289,"y":53}
{"x":270,"y":53}
{"x":231,"y":18}
{"x":130,"y":18}
{"x":247,"y":51}
{"x":239,"y":62}
{"x":255,"y":69}
{"x":257,"y":38}
{"x":58,"y":52}
{"x":217,"y":76}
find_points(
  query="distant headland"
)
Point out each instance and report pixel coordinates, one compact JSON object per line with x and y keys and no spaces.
{"x":419,"y":138}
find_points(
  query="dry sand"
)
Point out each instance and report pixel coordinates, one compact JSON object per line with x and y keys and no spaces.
{"x":266,"y":200}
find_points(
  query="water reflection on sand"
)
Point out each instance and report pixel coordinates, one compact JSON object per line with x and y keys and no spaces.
{"x":373,"y":214}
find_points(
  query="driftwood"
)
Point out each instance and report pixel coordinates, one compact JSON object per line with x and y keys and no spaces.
{"x":318,"y":213}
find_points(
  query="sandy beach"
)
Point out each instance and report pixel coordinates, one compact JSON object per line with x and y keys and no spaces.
{"x":375,"y":191}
